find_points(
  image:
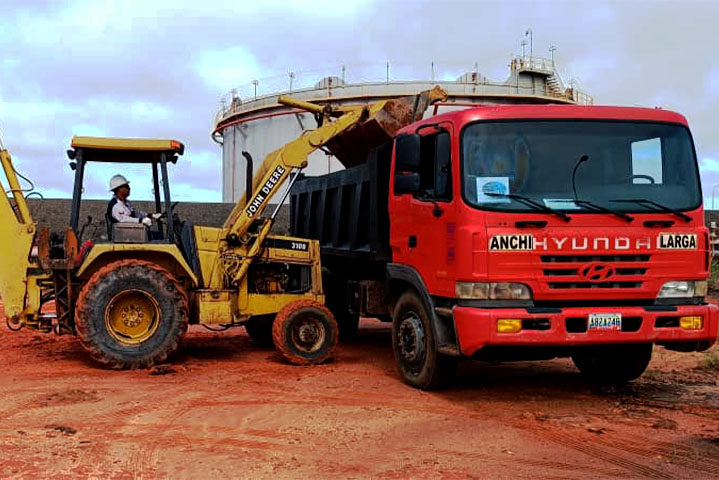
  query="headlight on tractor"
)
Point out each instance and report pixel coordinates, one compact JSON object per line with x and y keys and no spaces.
{"x":683,"y":289}
{"x":493,"y":291}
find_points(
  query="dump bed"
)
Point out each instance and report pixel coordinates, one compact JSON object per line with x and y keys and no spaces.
{"x":346,"y":210}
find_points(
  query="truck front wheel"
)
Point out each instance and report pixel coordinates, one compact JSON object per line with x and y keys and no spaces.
{"x":415,"y":348}
{"x":131,"y":314}
{"x":613,"y":364}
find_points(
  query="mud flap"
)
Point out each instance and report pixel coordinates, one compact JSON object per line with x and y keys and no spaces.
{"x":442,"y":318}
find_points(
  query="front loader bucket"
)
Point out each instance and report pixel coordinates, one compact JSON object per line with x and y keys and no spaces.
{"x":352,"y":146}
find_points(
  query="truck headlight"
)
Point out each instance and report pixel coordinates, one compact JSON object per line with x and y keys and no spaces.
{"x":683,"y":289}
{"x":493,"y":291}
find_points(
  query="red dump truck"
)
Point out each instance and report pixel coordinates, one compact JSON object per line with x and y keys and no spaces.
{"x":520,"y":232}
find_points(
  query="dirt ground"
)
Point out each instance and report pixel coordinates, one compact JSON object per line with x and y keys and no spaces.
{"x":225,"y":407}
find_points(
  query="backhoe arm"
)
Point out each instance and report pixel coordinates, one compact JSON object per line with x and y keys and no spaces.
{"x":18,"y":231}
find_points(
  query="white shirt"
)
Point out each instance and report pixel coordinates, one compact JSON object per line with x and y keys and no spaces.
{"x":124,"y":213}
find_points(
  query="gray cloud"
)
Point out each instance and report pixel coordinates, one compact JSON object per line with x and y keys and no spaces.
{"x":158,"y":69}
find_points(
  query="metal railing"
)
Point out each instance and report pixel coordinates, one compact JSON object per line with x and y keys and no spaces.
{"x":339,"y":77}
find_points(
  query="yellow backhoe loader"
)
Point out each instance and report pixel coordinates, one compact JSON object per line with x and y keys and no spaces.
{"x":130,"y":299}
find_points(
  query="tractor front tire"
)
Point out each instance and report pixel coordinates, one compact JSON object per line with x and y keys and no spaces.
{"x":131,"y":314}
{"x":305,"y":332}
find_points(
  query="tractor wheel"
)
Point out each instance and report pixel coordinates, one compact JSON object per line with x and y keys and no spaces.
{"x":415,"y":348}
{"x":305,"y":332}
{"x":131,"y":314}
{"x":613,"y":364}
{"x":260,"y":330}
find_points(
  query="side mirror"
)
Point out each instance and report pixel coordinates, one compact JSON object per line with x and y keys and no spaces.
{"x":407,"y":183}
{"x":407,"y":153}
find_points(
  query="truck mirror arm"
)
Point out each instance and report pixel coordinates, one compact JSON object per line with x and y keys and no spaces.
{"x":437,"y":211}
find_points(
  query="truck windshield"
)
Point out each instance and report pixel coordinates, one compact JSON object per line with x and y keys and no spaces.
{"x":613,"y":160}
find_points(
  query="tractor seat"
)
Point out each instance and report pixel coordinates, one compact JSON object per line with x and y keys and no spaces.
{"x":185,"y":239}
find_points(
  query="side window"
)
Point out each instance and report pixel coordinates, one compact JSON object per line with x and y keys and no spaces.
{"x":647,"y":165}
{"x":435,"y":173}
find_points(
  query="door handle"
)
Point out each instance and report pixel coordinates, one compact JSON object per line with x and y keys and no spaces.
{"x":659,"y":223}
{"x":412,"y":241}
{"x":530,"y":223}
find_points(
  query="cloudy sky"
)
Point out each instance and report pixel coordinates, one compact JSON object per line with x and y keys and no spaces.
{"x":157,"y":68}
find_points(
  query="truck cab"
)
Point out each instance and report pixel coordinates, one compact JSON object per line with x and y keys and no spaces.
{"x":534,"y":232}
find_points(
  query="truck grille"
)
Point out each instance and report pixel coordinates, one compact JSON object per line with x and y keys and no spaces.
{"x":594,"y":258}
{"x":595,"y":285}
{"x":562,"y":272}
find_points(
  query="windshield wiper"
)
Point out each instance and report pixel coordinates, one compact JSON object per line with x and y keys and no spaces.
{"x":532,"y":203}
{"x":599,"y":208}
{"x":657,"y":207}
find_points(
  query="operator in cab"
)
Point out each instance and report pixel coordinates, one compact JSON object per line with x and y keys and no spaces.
{"x":119,"y":209}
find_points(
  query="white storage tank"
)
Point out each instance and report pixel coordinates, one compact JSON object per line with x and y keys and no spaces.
{"x":259,"y":125}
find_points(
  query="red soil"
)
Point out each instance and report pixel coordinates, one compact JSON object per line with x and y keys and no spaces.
{"x":224,"y":407}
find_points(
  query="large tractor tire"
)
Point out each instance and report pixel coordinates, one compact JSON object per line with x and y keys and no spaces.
{"x":613,"y":364}
{"x":260,"y":330}
{"x":305,"y":332}
{"x":131,"y":314}
{"x":415,"y":348}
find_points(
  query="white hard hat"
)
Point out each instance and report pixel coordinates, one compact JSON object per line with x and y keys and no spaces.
{"x":118,"y":181}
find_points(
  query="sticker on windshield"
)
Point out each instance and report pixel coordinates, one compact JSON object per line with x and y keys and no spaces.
{"x":560,"y":203}
{"x":489,"y":185}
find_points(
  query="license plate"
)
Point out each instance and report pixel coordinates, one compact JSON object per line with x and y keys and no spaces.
{"x":605,"y":321}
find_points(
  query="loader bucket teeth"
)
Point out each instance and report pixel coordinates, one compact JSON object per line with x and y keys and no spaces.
{"x":352,"y":146}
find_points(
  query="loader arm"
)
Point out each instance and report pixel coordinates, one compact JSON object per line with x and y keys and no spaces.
{"x":278,"y":165}
{"x":374,"y":124}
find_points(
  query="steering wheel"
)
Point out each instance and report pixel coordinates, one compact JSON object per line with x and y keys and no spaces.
{"x":645,"y":177}
{"x":164,"y":213}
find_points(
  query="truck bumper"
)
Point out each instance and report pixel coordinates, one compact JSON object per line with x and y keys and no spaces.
{"x":477,"y":327}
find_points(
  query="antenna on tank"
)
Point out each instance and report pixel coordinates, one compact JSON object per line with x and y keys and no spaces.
{"x":528,"y":33}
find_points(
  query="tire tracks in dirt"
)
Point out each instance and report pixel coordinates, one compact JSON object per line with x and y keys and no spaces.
{"x":597,"y":447}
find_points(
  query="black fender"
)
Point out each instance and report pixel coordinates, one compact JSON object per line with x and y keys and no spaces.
{"x":442,"y":319}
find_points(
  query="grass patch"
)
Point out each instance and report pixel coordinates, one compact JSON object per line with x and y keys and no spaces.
{"x":710,"y":360}
{"x":714,"y":276}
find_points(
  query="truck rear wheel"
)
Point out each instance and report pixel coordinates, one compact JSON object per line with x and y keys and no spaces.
{"x":613,"y":364}
{"x":260,"y":330}
{"x":131,"y":314}
{"x":335,"y":289}
{"x":415,"y":348}
{"x":305,"y":332}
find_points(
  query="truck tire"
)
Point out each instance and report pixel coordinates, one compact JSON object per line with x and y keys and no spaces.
{"x":336,"y":300}
{"x":260,"y":330}
{"x":348,"y":325}
{"x":131,"y":314}
{"x":613,"y":364}
{"x":415,"y":348}
{"x":305,"y":332}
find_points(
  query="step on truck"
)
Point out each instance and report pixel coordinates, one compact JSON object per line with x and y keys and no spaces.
{"x":519,"y":232}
